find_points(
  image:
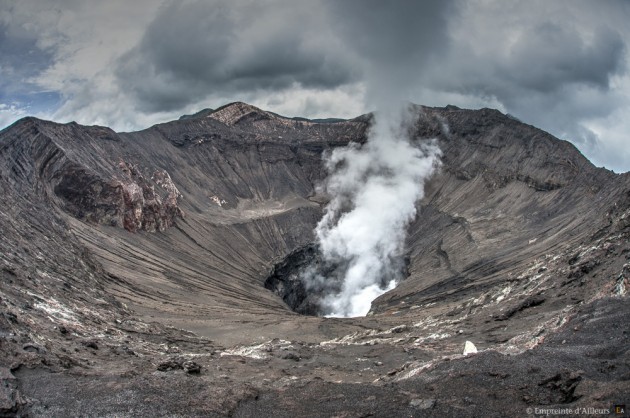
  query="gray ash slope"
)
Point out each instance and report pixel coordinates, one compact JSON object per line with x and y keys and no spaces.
{"x":125,"y":253}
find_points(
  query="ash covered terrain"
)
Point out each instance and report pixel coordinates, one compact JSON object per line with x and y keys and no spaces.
{"x":157,"y":273}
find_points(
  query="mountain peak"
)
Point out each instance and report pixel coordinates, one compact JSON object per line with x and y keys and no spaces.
{"x":233,"y":113}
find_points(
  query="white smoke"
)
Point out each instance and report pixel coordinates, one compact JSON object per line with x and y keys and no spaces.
{"x":374,"y":188}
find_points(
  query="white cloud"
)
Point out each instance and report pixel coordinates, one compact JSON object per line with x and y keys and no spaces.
{"x":10,"y":113}
{"x":83,"y":39}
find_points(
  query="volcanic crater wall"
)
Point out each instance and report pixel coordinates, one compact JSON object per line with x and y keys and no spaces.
{"x":234,"y":192}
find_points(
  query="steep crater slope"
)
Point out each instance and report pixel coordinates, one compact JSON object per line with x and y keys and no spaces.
{"x":181,"y":224}
{"x":234,"y":191}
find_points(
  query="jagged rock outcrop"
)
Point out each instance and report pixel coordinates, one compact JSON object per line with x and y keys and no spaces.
{"x":11,"y":401}
{"x":128,"y":200}
{"x":91,"y":186}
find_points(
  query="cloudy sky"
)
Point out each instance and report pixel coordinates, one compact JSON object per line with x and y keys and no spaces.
{"x":560,"y":65}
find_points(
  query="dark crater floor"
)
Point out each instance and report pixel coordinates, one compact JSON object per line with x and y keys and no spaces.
{"x":304,"y":278}
{"x":287,"y":279}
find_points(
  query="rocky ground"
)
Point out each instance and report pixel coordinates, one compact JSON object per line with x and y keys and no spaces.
{"x":133,"y":270}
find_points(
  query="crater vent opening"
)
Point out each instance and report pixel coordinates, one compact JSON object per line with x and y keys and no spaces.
{"x":294,"y":279}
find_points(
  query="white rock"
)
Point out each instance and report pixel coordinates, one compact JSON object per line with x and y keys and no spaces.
{"x":469,"y":348}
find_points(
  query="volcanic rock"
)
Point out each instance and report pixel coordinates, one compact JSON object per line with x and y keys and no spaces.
{"x":191,"y":367}
{"x":11,"y":401}
{"x":170,"y":364}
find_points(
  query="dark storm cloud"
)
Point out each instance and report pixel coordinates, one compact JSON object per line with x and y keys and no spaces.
{"x":551,"y":56}
{"x":549,"y":76}
{"x":195,"y":49}
{"x":389,"y":33}
{"x":552,"y":64}
{"x":396,"y":40}
{"x":543,"y":59}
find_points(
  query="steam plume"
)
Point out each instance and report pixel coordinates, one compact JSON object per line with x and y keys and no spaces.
{"x":374,"y":188}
